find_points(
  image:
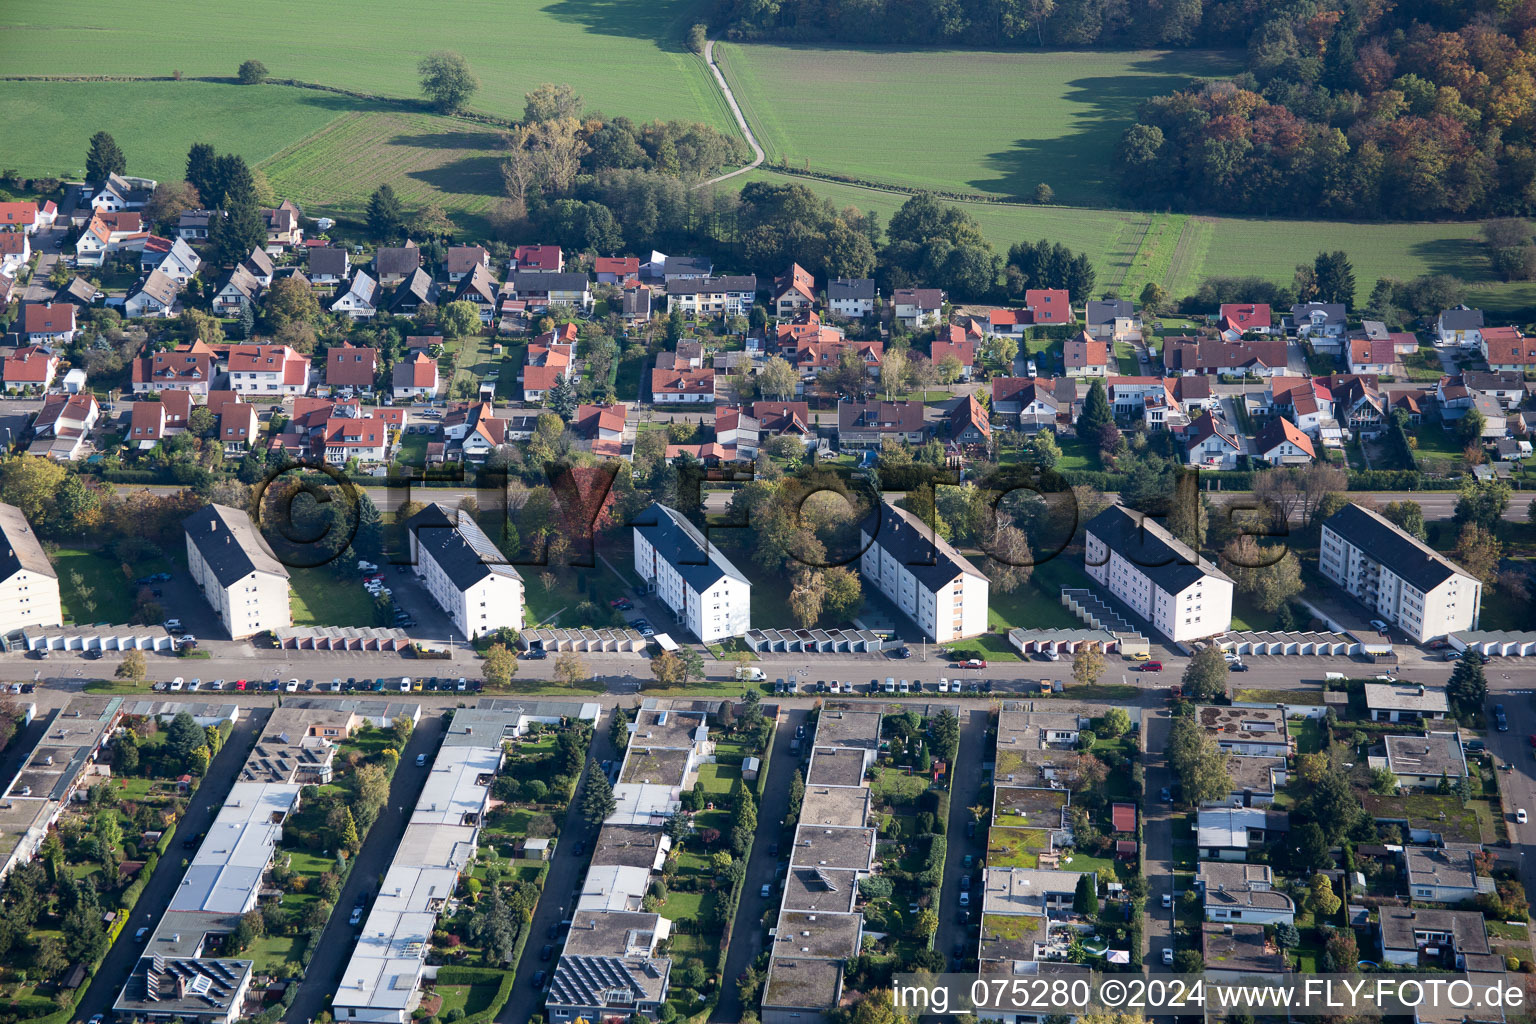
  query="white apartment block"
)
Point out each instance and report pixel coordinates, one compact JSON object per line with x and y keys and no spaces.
{"x":466,"y":574}
{"x":29,"y":584}
{"x":931,"y":582}
{"x":709,"y":595}
{"x":1397,"y":576}
{"x":237,"y":571}
{"x":1157,"y":575}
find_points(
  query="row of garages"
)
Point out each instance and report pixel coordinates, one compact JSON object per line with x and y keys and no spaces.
{"x":597,"y":641}
{"x":99,"y":638}
{"x":1067,"y":641}
{"x":817,"y":641}
{"x":1504,"y":643}
{"x":1288,"y":643}
{"x":340,"y":638}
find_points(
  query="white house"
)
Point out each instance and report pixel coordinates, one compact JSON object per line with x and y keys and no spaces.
{"x":712,"y":296}
{"x":1229,"y":833}
{"x":1210,"y":444}
{"x":1245,"y":731}
{"x":1158,"y":576}
{"x":851,"y":297}
{"x":178,"y":261}
{"x":415,"y":377}
{"x":268,"y":370}
{"x":237,"y":571}
{"x":1405,"y":702}
{"x":1460,"y":326}
{"x":466,"y":574}
{"x":1281,"y":443}
{"x":121,"y":192}
{"x":361,"y":299}
{"x":918,"y":307}
{"x":709,"y":595}
{"x":923,"y":575}
{"x":1424,"y":762}
{"x":29,"y":584}
{"x":238,"y":288}
{"x":1397,"y":576}
{"x":1320,"y":322}
{"x":15,"y":252}
{"x":1443,"y":875}
{"x":153,"y":296}
{"x":1243,"y":892}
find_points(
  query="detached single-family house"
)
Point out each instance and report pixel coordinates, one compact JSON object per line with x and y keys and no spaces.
{"x":192,"y":225}
{"x":328,"y":265}
{"x":954,"y":341}
{"x":188,"y":368}
{"x":918,"y":307}
{"x":1210,"y":444}
{"x":236,"y":288}
{"x":176,"y":260}
{"x":546,"y":259}
{"x":794,"y":291}
{"x":478,"y":287}
{"x":1321,"y":323}
{"x":1281,"y":443}
{"x":20,"y":215}
{"x":1083,"y":357}
{"x":542,"y":289}
{"x":637,"y":305}
{"x":48,"y":323}
{"x":360,"y":300}
{"x":1443,"y":875}
{"x":120,"y":192}
{"x":1506,"y":348}
{"x":146,"y":425}
{"x":1421,"y":762}
{"x":866,"y":424}
{"x":393,"y":264}
{"x":62,"y":426}
{"x":851,"y":297}
{"x":283,"y":228}
{"x":237,"y":426}
{"x":110,"y":232}
{"x":683,"y":386}
{"x":1251,"y":732}
{"x":1036,"y":403}
{"x":15,"y":252}
{"x":417,"y":290}
{"x":354,"y":437}
{"x":31,"y":367}
{"x":1460,"y":326}
{"x":1049,"y":305}
{"x":462,"y":259}
{"x":153,"y":296}
{"x":712,"y":296}
{"x":550,"y":359}
{"x":1239,"y":318}
{"x":616,"y":269}
{"x":1112,"y":320}
{"x":1229,"y":833}
{"x":1405,"y":702}
{"x":268,"y":370}
{"x":351,"y":366}
{"x":415,"y":377}
{"x":1411,"y":936}
{"x":969,"y":423}
{"x":1243,"y":892}
{"x":1369,"y":355}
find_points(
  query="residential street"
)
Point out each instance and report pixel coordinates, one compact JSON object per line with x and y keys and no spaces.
{"x":965,"y":786}
{"x":560,"y":890}
{"x":1157,"y":833}
{"x":325,"y":967}
{"x":201,"y":810}
{"x":746,"y":939}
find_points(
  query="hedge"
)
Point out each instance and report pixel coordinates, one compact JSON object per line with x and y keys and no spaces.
{"x":454,"y":974}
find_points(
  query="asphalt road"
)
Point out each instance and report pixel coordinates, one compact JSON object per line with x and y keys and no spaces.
{"x":1157,"y":833}
{"x":1517,"y":788}
{"x":964,"y":793}
{"x":746,"y":939}
{"x":558,"y":901}
{"x":336,"y":942}
{"x":204,"y":806}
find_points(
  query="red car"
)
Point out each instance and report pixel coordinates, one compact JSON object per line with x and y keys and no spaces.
{"x":1151,"y":666}
{"x":1436,"y":645}
{"x":973,"y":663}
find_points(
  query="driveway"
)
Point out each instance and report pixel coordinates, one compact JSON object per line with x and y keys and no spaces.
{"x":964,"y":793}
{"x":557,"y":902}
{"x":336,"y":942}
{"x":1158,"y":834}
{"x":108,"y":981}
{"x":746,"y":939}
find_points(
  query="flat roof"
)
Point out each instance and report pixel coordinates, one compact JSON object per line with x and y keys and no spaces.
{"x":836,"y":766}
{"x":832,"y":890}
{"x":1438,"y":753}
{"x":665,"y":727}
{"x":839,"y":728}
{"x":636,"y":846}
{"x":1239,"y":947}
{"x":615,"y":933}
{"x":848,"y":848}
{"x":1452,"y":868}
{"x":1011,"y":936}
{"x":1024,"y":890}
{"x":655,"y":766}
{"x":835,"y":805}
{"x":1406,"y":697}
{"x":1254,"y":774}
{"x":796,"y":983}
{"x":1257,"y":725}
{"x":227,"y":869}
{"x":818,"y":935}
{"x":1401,"y":925}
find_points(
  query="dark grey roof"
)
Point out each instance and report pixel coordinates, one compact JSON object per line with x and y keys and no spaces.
{"x":417,"y":288}
{"x":458,"y":545}
{"x":683,"y":546}
{"x":1168,"y":561}
{"x":1104,"y":311}
{"x":706,"y":285}
{"x":259,"y":263}
{"x":230,"y":543}
{"x":588,"y":980}
{"x":1461,"y":319}
{"x":1334,"y":311}
{"x":845,"y":288}
{"x":1383,"y":541}
{"x":400,"y":260}
{"x":540,"y":281}
{"x":637,"y":302}
{"x":477,"y":286}
{"x":929,"y":557}
{"x":328,"y":259}
{"x":699,"y":265}
{"x":22,"y":548}
{"x":159,"y":287}
{"x":243,"y":281}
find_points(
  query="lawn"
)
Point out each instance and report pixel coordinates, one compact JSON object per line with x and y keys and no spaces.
{"x":1307,"y":734}
{"x":1037,"y":604}
{"x":471,"y":999}
{"x":110,"y":598}
{"x":1062,"y":112}
{"x":512,"y":48}
{"x":1441,"y":813}
{"x":320,"y":599}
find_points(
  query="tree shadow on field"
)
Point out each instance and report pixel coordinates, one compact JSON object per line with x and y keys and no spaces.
{"x":451,"y":140}
{"x":660,"y":21}
{"x":470,"y":175}
{"x":1465,"y":258}
{"x":1079,"y":162}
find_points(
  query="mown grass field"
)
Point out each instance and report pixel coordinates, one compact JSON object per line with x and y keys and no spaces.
{"x":154,"y":122}
{"x":623,"y":58}
{"x":961,"y":121}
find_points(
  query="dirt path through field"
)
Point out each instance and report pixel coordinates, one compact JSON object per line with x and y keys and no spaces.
{"x":741,"y":120}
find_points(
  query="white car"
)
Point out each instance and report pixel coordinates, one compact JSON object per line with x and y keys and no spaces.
{"x":292,"y":686}
{"x":1167,"y":900}
{"x":1167,"y":956}
{"x":1520,"y":816}
{"x":943,"y":685}
{"x":177,"y":683}
{"x":965,"y":899}
{"x":1052,"y":655}
{"x":1229,"y":657}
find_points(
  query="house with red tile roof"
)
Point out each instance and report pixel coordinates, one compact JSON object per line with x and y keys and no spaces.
{"x":711,"y":454}
{"x":1506,"y":348}
{"x":178,"y":407}
{"x":238,"y":428}
{"x":1008,"y":323}
{"x":969,"y":423}
{"x":475,"y":430}
{"x":63,"y":425}
{"x":107,"y":233}
{"x":1084,"y":357}
{"x":268,"y":370}
{"x":30,"y":368}
{"x":15,"y":251}
{"x":1281,"y":443}
{"x":415,"y":377}
{"x":683,"y":387}
{"x":1372,"y":355}
{"x":187,"y":368}
{"x":354,"y":437}
{"x":146,"y":425}
{"x":793,"y":291}
{"x":616,"y":269}
{"x":19,"y":216}
{"x":351,"y":366}
{"x":792,"y":418}
{"x":545,"y":258}
{"x":48,"y":322}
{"x":1049,"y":305}
{"x":546,"y":362}
{"x":958,"y":342}
{"x":600,"y":422}
{"x":1239,"y":318}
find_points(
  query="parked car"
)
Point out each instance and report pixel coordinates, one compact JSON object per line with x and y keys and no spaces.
{"x":965,"y":898}
{"x":1167,"y":956}
{"x":1520,"y":816}
{"x":1167,"y":900}
{"x":765,"y":891}
{"x":903,"y":652}
{"x":1238,"y":666}
{"x":538,"y":980}
{"x":1152,"y":666}
{"x":421,"y":759}
{"x":357,"y":916}
{"x":547,"y":953}
{"x":974,"y":663}
{"x":1380,"y":627}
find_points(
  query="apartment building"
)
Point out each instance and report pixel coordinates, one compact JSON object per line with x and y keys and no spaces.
{"x":932,"y":583}
{"x":712,"y":296}
{"x":268,"y":370}
{"x":1397,"y":576}
{"x":237,"y":571}
{"x":1158,"y":576}
{"x":710,"y":596}
{"x":29,"y":584}
{"x":466,"y":574}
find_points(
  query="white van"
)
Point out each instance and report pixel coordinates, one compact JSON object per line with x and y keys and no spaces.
{"x":749,"y":674}
{"x":890,"y":685}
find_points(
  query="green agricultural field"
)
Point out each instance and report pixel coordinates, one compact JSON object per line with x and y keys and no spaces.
{"x":960,"y":121}
{"x":427,"y":158}
{"x":622,"y":58}
{"x":155,"y":122}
